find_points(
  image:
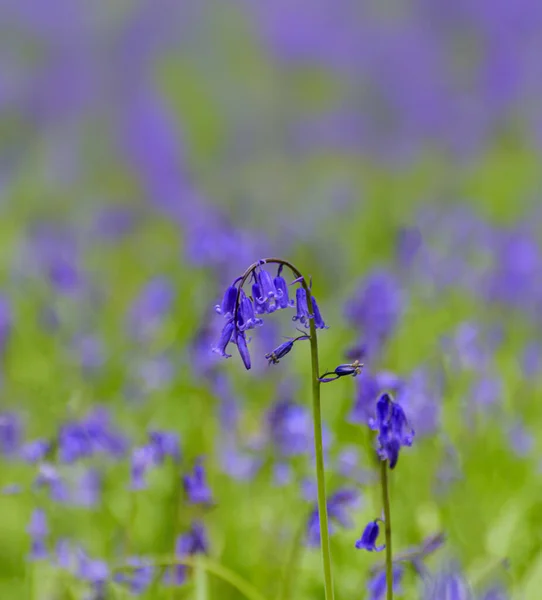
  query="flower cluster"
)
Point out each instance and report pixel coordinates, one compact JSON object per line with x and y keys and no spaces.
{"x":268,"y":294}
{"x":393,"y":429}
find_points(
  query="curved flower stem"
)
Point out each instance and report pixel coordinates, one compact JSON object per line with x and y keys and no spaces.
{"x":387,"y":528}
{"x":316,"y":415}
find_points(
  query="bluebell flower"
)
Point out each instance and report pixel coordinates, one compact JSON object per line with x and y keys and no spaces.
{"x":6,"y":323}
{"x":227,"y":307}
{"x":246,"y":318}
{"x":150,"y":307}
{"x":377,"y":587}
{"x":302,"y":309}
{"x":342,"y":371}
{"x":282,"y":350}
{"x":394,"y":430}
{"x":188,"y":544}
{"x":224,"y":340}
{"x":48,"y":477}
{"x":195,"y":486}
{"x":448,"y":584}
{"x":338,"y":505}
{"x":10,"y":433}
{"x":143,"y":458}
{"x":241,"y":342}
{"x":88,"y":488}
{"x":283,"y":296}
{"x":290,"y":428}
{"x":38,"y":531}
{"x":165,"y":443}
{"x":369,"y":537}
{"x":35,"y":451}
{"x":266,"y":284}
{"x":318,"y":320}
{"x":95,"y":572}
{"x":138,"y":577}
{"x":495,"y":592}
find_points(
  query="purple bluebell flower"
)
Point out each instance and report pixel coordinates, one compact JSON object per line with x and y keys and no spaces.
{"x":143,"y":459}
{"x":38,"y":531}
{"x":393,"y":427}
{"x":35,"y":451}
{"x":227,"y":306}
{"x":290,"y":428}
{"x":88,"y":489}
{"x":342,"y":371}
{"x":195,"y":485}
{"x":90,"y":352}
{"x":188,"y":544}
{"x":302,"y":309}
{"x":448,"y":583}
{"x":267,"y":286}
{"x":241,"y":341}
{"x":376,"y":586}
{"x":246,"y":318}
{"x":49,"y":477}
{"x":282,"y":350}
{"x":369,"y":387}
{"x":150,"y":307}
{"x":318,"y":320}
{"x":224,"y":340}
{"x":283,"y":296}
{"x":369,"y":537}
{"x":165,"y":443}
{"x":338,"y":505}
{"x":138,"y":576}
{"x":10,"y":433}
{"x":6,"y":323}
{"x":495,"y":592}
{"x":96,"y":572}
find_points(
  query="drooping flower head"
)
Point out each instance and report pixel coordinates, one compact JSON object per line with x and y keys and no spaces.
{"x":369,"y":536}
{"x":393,"y":429}
{"x":268,"y":295}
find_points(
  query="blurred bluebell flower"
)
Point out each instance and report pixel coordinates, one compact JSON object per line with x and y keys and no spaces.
{"x":89,"y":350}
{"x":448,"y":583}
{"x":6,"y":323}
{"x":377,"y":587}
{"x":142,"y":460}
{"x":10,"y":433}
{"x":341,"y":371}
{"x":150,"y":307}
{"x":369,"y":537}
{"x":38,"y":531}
{"x":282,"y":350}
{"x":495,"y":592}
{"x":393,"y":428}
{"x":35,"y":451}
{"x":95,"y":572}
{"x":188,"y":544}
{"x":195,"y":485}
{"x":338,"y":505}
{"x":531,"y":360}
{"x":87,"y":489}
{"x":48,"y":477}
{"x":138,"y":577}
{"x":164,"y":444}
{"x":290,"y":428}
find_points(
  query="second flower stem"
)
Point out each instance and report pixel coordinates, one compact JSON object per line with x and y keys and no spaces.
{"x":387,"y":528}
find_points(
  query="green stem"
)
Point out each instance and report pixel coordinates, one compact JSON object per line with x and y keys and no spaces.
{"x":317,"y":418}
{"x":200,"y":577}
{"x":387,"y":528}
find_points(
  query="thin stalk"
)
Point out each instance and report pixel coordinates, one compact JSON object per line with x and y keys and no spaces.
{"x":387,"y":528}
{"x":317,"y":417}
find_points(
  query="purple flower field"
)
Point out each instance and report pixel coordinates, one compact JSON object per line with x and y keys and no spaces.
{"x":271,"y":300}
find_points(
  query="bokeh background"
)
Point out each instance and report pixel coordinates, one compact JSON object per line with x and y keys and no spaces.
{"x":150,"y":151}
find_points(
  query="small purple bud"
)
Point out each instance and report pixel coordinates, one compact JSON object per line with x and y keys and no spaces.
{"x":282,"y":350}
